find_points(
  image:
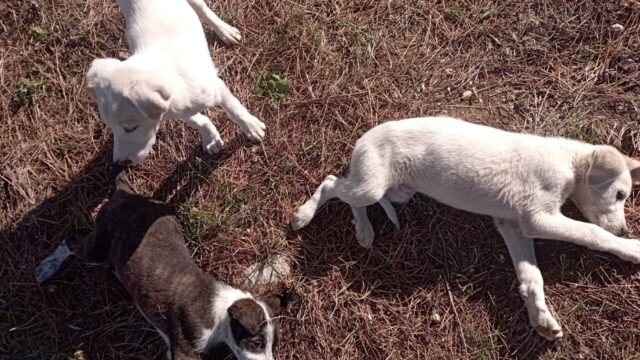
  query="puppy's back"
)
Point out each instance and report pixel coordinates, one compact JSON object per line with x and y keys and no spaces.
{"x":150,"y":258}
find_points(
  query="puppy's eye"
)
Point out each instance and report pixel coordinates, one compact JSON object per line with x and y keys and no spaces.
{"x":254,"y":345}
{"x":621,"y":195}
{"x":130,"y":129}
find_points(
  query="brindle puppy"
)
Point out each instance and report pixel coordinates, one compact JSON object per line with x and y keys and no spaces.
{"x":142,"y":240}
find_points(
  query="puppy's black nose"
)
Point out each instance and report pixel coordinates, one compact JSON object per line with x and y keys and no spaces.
{"x":624,"y":231}
{"x":124,"y":162}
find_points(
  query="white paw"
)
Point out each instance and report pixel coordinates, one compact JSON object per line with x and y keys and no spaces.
{"x":52,"y":263}
{"x":545,"y":325}
{"x":228,"y":34}
{"x":302,"y":218}
{"x":631,"y":250}
{"x":253,"y":128}
{"x":213,"y":145}
{"x":364,"y":234}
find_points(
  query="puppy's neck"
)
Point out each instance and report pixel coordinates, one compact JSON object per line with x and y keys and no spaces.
{"x":224,"y":296}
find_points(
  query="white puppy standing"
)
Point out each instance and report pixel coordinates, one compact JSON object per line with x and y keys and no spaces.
{"x":170,"y":74}
{"x":520,"y":180}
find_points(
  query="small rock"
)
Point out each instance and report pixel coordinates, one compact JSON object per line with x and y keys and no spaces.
{"x":267,"y":272}
{"x":467,"y":94}
{"x":617,"y":27}
{"x":435,"y":317}
{"x":628,"y":65}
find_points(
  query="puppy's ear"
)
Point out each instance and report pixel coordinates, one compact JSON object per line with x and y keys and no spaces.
{"x":276,"y":303}
{"x":99,"y":68}
{"x":606,"y":165}
{"x":248,"y":314}
{"x":634,"y":168}
{"x":151,"y":97}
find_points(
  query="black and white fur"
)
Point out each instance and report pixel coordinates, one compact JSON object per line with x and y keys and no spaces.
{"x":143,"y":242}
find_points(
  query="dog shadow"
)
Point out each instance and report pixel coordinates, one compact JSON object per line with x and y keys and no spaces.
{"x":60,"y":307}
{"x":438,"y":244}
{"x":190,"y":174}
{"x":29,"y":240}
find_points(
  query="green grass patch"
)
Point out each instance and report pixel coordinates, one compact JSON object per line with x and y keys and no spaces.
{"x":196,"y":222}
{"x":590,"y":132}
{"x":30,"y":88}
{"x":41,"y":35}
{"x":272,"y":85}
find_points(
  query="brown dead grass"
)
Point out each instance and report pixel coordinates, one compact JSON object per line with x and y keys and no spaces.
{"x":544,"y":67}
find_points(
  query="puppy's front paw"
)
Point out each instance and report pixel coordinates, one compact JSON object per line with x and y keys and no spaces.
{"x":631,"y":250}
{"x":547,"y":326}
{"x":302,"y":218}
{"x":253,"y":128}
{"x":228,"y":34}
{"x":213,"y":145}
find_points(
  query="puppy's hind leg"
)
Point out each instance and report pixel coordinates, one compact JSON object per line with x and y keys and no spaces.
{"x":211,"y":140}
{"x":84,"y":247}
{"x":531,"y":284}
{"x":306,"y":212}
{"x":52,"y":263}
{"x":364,"y":229}
{"x":356,"y":193}
{"x":227,"y":33}
{"x":390,"y":211}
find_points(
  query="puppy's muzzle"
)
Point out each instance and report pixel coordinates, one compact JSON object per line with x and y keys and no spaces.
{"x":624,"y":231}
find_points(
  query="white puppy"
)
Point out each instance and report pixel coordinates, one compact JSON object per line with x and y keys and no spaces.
{"x":170,"y":74}
{"x":520,"y":180}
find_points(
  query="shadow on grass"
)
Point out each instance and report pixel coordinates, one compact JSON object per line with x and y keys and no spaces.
{"x":438,"y":243}
{"x":81,"y":304}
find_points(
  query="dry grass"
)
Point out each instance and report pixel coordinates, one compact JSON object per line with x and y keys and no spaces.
{"x":544,"y":67}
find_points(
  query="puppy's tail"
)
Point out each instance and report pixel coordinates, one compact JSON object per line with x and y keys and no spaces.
{"x":390,"y":211}
{"x":49,"y":266}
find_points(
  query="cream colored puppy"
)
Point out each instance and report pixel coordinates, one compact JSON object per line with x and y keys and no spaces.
{"x":520,"y":180}
{"x":170,"y":74}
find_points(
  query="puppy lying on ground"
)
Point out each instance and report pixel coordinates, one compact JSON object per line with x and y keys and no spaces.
{"x":144,"y":244}
{"x":520,"y":180}
{"x":170,"y":74}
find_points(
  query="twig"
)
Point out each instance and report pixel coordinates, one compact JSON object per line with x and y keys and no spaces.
{"x":453,"y":305}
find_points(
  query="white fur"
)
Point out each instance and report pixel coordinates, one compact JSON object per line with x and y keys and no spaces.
{"x":52,"y":263}
{"x":170,"y":74}
{"x":520,"y":180}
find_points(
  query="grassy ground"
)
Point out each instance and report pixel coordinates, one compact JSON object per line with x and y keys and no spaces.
{"x":320,"y":73}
